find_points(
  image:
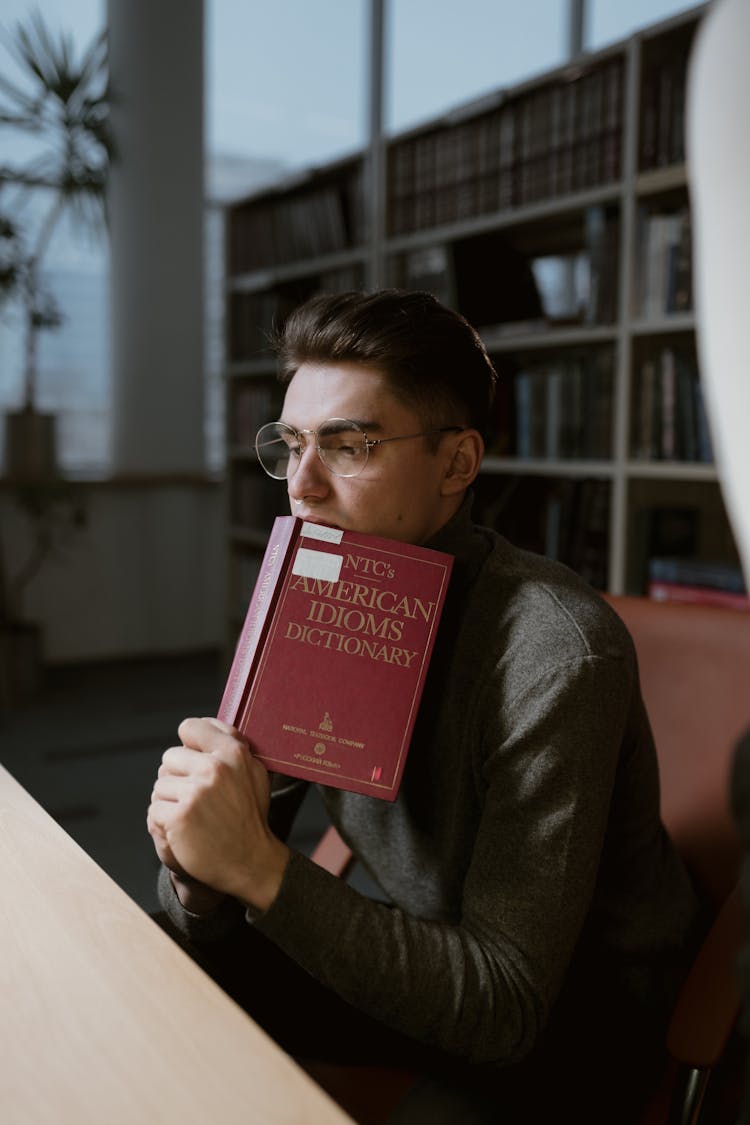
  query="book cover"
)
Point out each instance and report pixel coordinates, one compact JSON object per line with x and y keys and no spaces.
{"x":330,"y":665}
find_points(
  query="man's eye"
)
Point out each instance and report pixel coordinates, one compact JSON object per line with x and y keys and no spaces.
{"x":345,"y":444}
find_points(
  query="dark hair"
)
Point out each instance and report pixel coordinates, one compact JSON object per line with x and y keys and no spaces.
{"x":433,"y":359}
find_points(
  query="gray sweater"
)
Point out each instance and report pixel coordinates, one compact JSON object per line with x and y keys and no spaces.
{"x":525,"y":847}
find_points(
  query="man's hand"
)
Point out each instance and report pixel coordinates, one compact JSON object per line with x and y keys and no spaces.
{"x":194,"y":896}
{"x":209,"y":815}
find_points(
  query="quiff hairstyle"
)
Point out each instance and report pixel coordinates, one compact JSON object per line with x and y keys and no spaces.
{"x":434,"y":361}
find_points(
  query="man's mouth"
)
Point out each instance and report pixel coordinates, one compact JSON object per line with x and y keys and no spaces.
{"x":317,"y":519}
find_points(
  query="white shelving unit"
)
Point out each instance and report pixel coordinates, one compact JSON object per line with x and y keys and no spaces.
{"x":599,"y":140}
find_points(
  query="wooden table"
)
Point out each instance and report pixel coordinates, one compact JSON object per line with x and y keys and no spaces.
{"x":104,"y":1019}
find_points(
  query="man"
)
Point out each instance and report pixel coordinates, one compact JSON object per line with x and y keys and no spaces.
{"x":536,"y":914}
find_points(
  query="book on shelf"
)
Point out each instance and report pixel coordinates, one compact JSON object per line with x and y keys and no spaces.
{"x":319,"y":217}
{"x":669,"y":414}
{"x":253,"y":402}
{"x":244,"y":571}
{"x":697,"y":572}
{"x":330,"y":665}
{"x":578,"y":286}
{"x":562,"y":136}
{"x":661,"y":531}
{"x":662,"y":133}
{"x":664,"y":283}
{"x":254,"y":499}
{"x":495,"y":148}
{"x":601,"y":233}
{"x":565,"y":518}
{"x":428,"y":268}
{"x":563,"y":409}
{"x":588,"y":548}
{"x":683,"y":594}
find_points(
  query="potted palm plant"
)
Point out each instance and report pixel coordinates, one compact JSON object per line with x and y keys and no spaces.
{"x":59,"y":110}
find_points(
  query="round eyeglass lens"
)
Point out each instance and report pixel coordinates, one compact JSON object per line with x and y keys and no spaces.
{"x":275,"y":444}
{"x":342,"y":446}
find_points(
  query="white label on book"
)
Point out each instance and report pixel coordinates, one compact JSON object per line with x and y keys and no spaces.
{"x":317,"y":564}
{"x":318,"y":531}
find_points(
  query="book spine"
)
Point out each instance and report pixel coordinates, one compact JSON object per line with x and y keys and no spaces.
{"x":696,"y":595}
{"x":668,"y":405}
{"x":691,"y":572}
{"x":284,"y":535}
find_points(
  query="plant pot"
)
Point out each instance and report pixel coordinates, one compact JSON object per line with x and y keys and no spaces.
{"x":30,"y":445}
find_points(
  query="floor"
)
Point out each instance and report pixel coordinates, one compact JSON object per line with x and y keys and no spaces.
{"x":88,"y":746}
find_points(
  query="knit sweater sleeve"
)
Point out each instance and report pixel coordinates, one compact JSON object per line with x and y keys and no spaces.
{"x":481,"y":985}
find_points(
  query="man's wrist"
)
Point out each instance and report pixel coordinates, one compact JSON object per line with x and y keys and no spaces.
{"x":261,"y":888}
{"x":195,"y":897}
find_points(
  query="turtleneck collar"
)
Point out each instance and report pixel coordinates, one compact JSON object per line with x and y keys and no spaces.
{"x":469,"y":543}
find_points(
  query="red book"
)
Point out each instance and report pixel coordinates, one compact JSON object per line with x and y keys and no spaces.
{"x":696,"y":595}
{"x":330,"y":665}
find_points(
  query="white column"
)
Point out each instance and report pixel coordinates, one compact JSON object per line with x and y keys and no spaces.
{"x":156,"y":223}
{"x":718,"y":158}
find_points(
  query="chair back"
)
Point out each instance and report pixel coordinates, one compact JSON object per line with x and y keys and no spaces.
{"x":694,"y":663}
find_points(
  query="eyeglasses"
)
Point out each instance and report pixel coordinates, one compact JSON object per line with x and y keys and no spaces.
{"x":342,"y":445}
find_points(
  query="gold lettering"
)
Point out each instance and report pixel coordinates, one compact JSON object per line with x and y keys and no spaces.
{"x":351,"y":644}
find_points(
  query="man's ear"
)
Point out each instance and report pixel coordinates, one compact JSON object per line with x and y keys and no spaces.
{"x":464,"y":458}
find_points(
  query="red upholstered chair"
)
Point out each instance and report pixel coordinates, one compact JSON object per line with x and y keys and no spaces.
{"x":694,"y":665}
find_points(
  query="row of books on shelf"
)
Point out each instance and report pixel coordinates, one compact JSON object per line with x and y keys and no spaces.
{"x":562,"y":137}
{"x":696,"y":582}
{"x":563,"y":409}
{"x":669,"y":414}
{"x":662,"y":116}
{"x":451,"y":172}
{"x":254,"y":499}
{"x":497,"y":285}
{"x":580,"y":286}
{"x":664,"y":263}
{"x":253,"y":402}
{"x":254,"y":315}
{"x":571,"y":287}
{"x":244,"y":571}
{"x":566,"y":519}
{"x":297,"y":224}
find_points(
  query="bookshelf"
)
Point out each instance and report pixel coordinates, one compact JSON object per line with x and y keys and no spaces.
{"x":556,"y":217}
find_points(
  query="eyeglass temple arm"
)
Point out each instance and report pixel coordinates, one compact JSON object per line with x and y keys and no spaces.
{"x":370,"y":442}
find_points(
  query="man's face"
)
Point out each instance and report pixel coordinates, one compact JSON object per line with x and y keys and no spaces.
{"x":399,"y":494}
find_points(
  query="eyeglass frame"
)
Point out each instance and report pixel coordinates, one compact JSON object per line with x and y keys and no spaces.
{"x":368,"y":443}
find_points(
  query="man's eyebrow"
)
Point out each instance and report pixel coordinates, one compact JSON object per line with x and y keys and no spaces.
{"x":365,"y":425}
{"x":368,"y":426}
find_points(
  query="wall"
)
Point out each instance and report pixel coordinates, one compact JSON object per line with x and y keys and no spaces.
{"x":143,"y":576}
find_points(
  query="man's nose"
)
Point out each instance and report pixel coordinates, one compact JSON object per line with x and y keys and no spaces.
{"x":311,"y":476}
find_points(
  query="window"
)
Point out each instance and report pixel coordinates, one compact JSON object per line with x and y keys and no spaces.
{"x":442,"y":53}
{"x":610,"y":20}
